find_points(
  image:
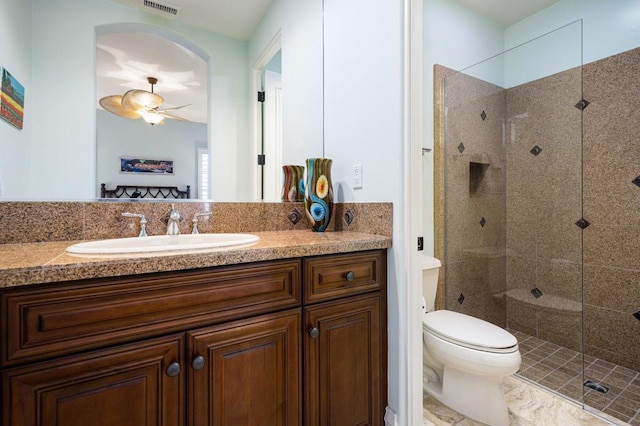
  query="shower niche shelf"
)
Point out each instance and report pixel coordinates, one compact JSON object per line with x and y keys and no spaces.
{"x":477,"y":172}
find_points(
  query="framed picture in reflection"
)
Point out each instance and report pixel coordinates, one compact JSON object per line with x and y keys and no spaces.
{"x":147,"y":166}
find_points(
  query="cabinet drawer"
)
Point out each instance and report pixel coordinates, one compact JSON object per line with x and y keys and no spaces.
{"x":335,"y":276}
{"x":62,"y":319}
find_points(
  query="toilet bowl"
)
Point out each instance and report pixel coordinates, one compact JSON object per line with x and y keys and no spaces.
{"x":464,"y":358}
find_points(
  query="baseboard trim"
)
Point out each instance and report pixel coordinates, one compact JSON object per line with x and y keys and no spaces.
{"x":390,"y":417}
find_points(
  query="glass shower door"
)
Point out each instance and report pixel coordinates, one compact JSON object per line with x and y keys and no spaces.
{"x":513,"y":220}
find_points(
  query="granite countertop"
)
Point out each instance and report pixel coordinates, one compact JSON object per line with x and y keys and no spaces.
{"x":36,"y":263}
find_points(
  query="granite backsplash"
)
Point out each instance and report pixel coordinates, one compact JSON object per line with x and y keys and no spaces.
{"x":28,"y":222}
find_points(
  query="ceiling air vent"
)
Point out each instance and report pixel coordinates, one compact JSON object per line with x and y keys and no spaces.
{"x":161,"y":7}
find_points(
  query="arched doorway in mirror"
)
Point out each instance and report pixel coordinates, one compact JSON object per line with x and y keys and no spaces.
{"x":152,"y":97}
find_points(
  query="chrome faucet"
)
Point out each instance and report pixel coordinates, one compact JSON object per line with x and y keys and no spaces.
{"x":143,"y":222}
{"x":173,"y":223}
{"x":195,"y":221}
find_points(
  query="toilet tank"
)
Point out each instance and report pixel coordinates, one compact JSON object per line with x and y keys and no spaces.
{"x":430,"y":267}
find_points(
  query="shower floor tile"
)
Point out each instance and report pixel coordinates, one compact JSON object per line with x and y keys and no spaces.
{"x":560,"y":370}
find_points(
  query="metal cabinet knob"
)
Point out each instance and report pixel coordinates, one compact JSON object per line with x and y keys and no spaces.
{"x":173,"y":369}
{"x":350,"y":276}
{"x":314,"y":332}
{"x":198,"y":363}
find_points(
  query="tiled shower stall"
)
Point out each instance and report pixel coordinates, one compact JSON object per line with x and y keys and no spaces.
{"x":539,"y":213}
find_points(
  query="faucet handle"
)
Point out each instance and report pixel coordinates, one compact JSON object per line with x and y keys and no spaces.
{"x":174,"y":214}
{"x":195,"y":220}
{"x":143,"y":222}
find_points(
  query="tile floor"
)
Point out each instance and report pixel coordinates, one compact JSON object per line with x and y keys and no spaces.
{"x":560,"y":369}
{"x":529,"y":405}
{"x":557,"y":370}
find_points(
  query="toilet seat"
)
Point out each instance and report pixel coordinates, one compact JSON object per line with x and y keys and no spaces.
{"x":469,"y":332}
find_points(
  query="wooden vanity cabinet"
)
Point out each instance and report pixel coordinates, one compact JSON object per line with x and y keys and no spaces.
{"x":345,"y":340}
{"x":126,"y":386}
{"x":41,"y":322}
{"x":221,"y":346}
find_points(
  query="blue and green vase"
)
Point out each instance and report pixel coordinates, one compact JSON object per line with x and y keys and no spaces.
{"x":292,"y":183}
{"x":318,"y":195}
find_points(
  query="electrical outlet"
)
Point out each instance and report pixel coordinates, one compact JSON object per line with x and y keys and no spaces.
{"x":357,"y":176}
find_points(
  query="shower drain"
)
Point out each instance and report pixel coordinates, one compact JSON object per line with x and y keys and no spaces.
{"x":596,"y":386}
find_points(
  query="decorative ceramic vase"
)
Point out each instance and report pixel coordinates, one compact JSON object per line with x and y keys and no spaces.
{"x":318,"y":194}
{"x":292,"y":183}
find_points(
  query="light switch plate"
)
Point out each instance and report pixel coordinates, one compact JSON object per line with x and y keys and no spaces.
{"x":357,"y":176}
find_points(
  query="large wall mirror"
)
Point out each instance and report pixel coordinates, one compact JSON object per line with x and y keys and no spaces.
{"x":207,"y":72}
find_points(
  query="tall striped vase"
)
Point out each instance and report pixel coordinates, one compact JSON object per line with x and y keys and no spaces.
{"x":318,"y":194}
{"x":292,"y":183}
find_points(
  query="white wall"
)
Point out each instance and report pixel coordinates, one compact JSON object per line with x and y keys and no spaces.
{"x":174,"y":140}
{"x":543,"y":55}
{"x":15,"y":56}
{"x":364,"y":124}
{"x":608,"y":28}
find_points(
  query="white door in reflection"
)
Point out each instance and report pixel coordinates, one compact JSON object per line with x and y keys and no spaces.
{"x":272,"y":147}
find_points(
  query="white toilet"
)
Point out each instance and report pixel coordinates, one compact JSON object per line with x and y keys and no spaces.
{"x":464,"y":358}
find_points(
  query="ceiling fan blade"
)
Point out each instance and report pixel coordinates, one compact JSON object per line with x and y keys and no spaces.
{"x":173,"y":108}
{"x":113,"y":104}
{"x":135,"y":100}
{"x":173,"y":117}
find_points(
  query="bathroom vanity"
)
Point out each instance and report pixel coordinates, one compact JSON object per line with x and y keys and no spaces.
{"x":283,"y":336}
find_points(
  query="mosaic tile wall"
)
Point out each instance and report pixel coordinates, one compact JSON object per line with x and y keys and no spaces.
{"x":544,"y":205}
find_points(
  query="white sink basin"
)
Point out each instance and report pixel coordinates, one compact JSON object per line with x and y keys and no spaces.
{"x":161,"y":243}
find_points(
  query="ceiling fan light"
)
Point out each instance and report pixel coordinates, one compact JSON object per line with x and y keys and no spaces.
{"x":140,"y":103}
{"x":151,"y":117}
{"x":113,"y":104}
{"x":141,"y":99}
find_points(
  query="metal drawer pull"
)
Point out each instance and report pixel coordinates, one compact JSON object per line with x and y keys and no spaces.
{"x":350,"y":276}
{"x":173,"y":369}
{"x":314,"y":332}
{"x":198,"y":363}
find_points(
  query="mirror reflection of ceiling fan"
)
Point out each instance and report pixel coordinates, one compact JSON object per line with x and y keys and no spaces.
{"x":136,"y":104}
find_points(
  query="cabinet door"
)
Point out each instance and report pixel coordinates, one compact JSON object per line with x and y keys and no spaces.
{"x":343,"y":363}
{"x":247,"y":372}
{"x":125,"y":386}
